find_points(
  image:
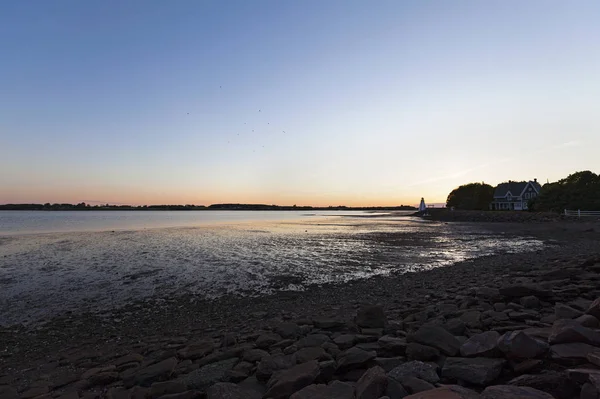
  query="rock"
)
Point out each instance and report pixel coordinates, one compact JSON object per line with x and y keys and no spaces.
{"x":225,"y":390}
{"x":254,"y":355}
{"x":415,"y":385}
{"x":415,"y":368}
{"x":197,"y":350}
{"x":288,"y":330}
{"x":594,"y":309}
{"x":282,"y":385}
{"x":345,"y":341}
{"x":311,"y":353}
{"x":264,"y":341}
{"x":371,"y":317}
{"x":8,"y":392}
{"x":312,"y":340}
{"x":513,"y":392}
{"x":325,"y":323}
{"x":455,"y":326}
{"x":553,"y":382}
{"x":566,"y":331}
{"x":146,"y":376}
{"x":517,"y":344}
{"x":571,"y":354}
{"x":388,"y":363}
{"x":354,"y":358}
{"x":477,"y":370}
{"x":472,"y":318}
{"x":181,"y":395}
{"x":415,"y":351}
{"x":484,"y":344}
{"x":521,"y":290}
{"x":396,"y":346}
{"x":138,"y":392}
{"x":587,"y":320}
{"x":335,"y":390}
{"x":594,"y":357}
{"x":588,"y":391}
{"x":73,"y":395}
{"x":251,"y":383}
{"x":372,"y":384}
{"x":562,"y":311}
{"x":436,"y":337}
{"x":100,"y":379}
{"x":583,"y":375}
{"x":395,"y":390}
{"x":32,"y":392}
{"x":132,"y":357}
{"x":228,"y":340}
{"x":159,"y":389}
{"x":270,"y":364}
{"x":526,"y":365}
{"x":530,"y":302}
{"x":207,"y":375}
{"x":446,"y":392}
{"x":327,"y":371}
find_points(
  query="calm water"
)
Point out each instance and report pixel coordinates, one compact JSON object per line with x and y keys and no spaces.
{"x":27,"y":222}
{"x":131,"y":255}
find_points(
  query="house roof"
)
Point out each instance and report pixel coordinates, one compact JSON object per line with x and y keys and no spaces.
{"x":515,"y":188}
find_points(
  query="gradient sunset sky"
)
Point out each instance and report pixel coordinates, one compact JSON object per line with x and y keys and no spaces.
{"x":308,"y":102}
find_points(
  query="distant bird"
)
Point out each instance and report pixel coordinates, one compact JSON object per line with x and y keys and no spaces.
{"x":283,"y":131}
{"x":259,"y":110}
{"x":188,"y":113}
{"x":220,"y":87}
{"x":268,"y":123}
{"x":252,"y":129}
{"x":244,"y":123}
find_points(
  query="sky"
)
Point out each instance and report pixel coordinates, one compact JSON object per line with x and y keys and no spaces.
{"x":313,"y":102}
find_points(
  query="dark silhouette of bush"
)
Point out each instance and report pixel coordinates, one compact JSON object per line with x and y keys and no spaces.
{"x":580,"y":190}
{"x":472,"y":196}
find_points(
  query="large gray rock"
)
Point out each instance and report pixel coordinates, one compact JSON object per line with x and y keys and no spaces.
{"x":207,"y":375}
{"x":197,"y":350}
{"x":446,"y":392}
{"x":335,"y":390}
{"x":270,"y":364}
{"x":264,"y":341}
{"x":416,"y":351}
{"x":345,"y":341}
{"x":513,"y":392}
{"x":354,"y":358}
{"x":472,"y":318}
{"x":282,"y":385}
{"x":530,"y":302}
{"x":254,"y":355}
{"x":484,"y":344}
{"x":312,"y":340}
{"x":146,"y":376}
{"x":372,"y":384}
{"x":562,"y":311}
{"x":594,"y":309}
{"x":521,"y":290}
{"x":371,"y":317}
{"x":587,"y":320}
{"x":565,"y":331}
{"x":416,"y":385}
{"x":415,"y":368}
{"x":477,"y":370}
{"x":396,"y":346}
{"x":555,"y":383}
{"x":395,"y":390}
{"x":571,"y":354}
{"x":288,"y":330}
{"x":389,"y":363}
{"x":311,"y":353}
{"x":226,"y":390}
{"x":436,"y":337}
{"x":518,"y":345}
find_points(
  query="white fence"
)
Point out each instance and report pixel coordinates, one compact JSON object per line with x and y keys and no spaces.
{"x":579,"y":213}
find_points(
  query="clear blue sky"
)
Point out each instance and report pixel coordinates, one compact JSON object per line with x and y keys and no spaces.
{"x":382,"y":102}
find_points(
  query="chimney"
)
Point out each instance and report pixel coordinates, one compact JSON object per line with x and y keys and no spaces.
{"x":535,"y":179}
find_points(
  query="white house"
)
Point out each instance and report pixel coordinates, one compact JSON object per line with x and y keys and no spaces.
{"x":515,"y":195}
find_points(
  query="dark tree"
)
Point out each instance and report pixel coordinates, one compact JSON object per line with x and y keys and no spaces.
{"x":580,"y":190}
{"x":472,"y":196}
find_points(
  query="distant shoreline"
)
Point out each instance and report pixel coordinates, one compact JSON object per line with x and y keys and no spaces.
{"x":214,"y":207}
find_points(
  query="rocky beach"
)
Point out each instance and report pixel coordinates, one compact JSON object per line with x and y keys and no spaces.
{"x":508,"y":325}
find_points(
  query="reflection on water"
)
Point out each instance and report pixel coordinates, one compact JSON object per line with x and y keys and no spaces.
{"x":44,"y":275}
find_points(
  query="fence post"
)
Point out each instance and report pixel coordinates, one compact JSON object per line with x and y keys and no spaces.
{"x":565,"y":212}
{"x":578,"y":213}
